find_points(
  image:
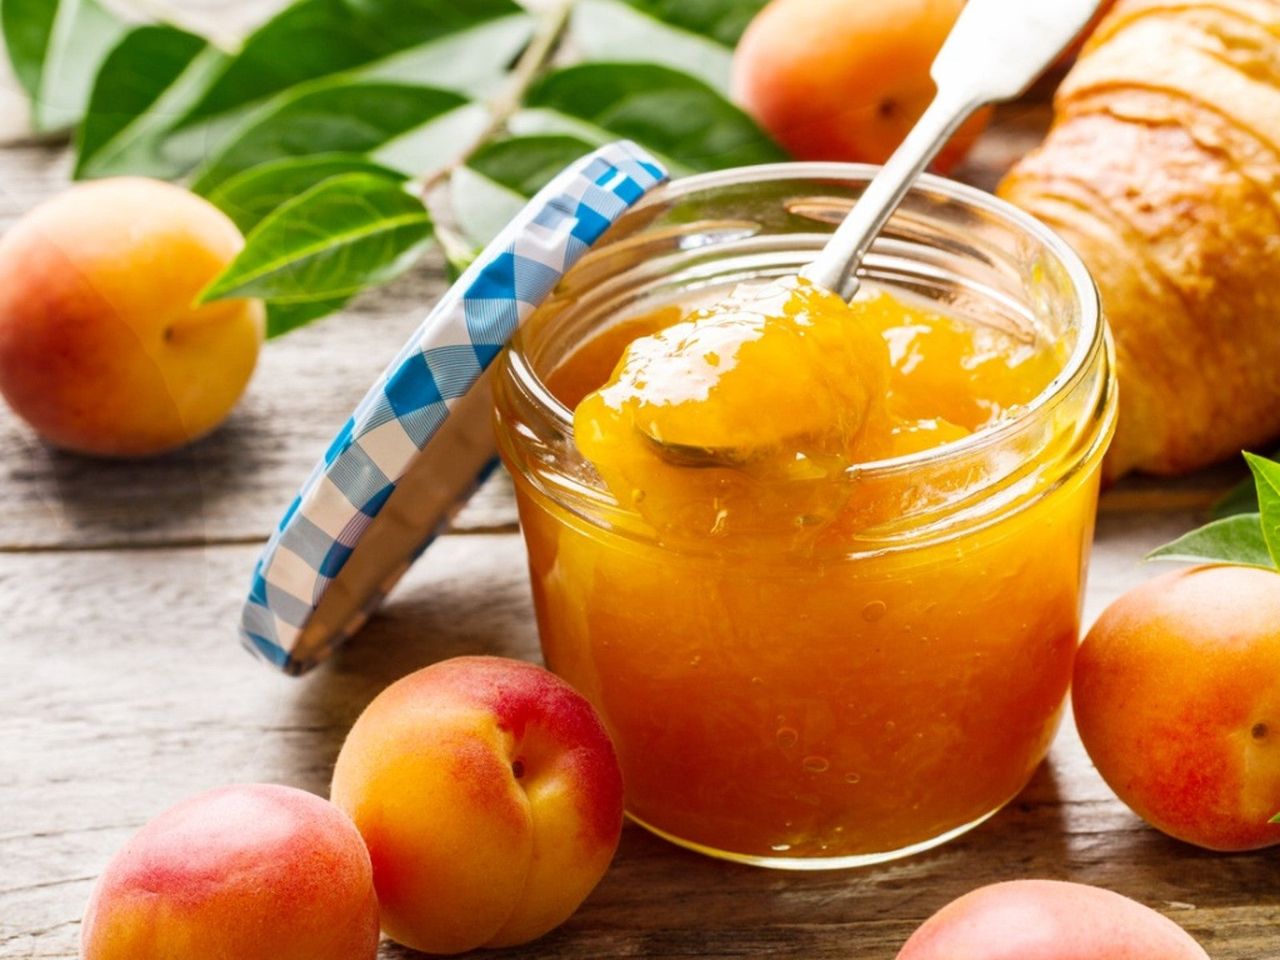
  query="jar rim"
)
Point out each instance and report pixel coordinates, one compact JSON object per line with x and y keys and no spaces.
{"x":1090,"y":341}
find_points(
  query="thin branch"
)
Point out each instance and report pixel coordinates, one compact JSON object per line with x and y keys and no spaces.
{"x":542,"y":47}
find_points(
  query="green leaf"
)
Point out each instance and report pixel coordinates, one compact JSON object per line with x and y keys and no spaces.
{"x":481,"y":207}
{"x":249,"y":196}
{"x":1266,"y":476}
{"x":613,"y":30}
{"x":1242,"y":498}
{"x":527,"y":164}
{"x":27,"y":27}
{"x":436,"y":144}
{"x":1234,"y":540}
{"x":463,"y":47}
{"x":152,"y":76}
{"x":1275,"y":819}
{"x":501,"y":176}
{"x":55,"y":47}
{"x":317,"y":38}
{"x":339,"y":116}
{"x":284,"y":317}
{"x":670,"y":112}
{"x":722,"y":20}
{"x":347,"y":233}
{"x":473,"y":60}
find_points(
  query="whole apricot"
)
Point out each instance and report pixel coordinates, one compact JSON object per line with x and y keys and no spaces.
{"x":250,"y":872}
{"x":846,"y":79}
{"x":1177,"y":700}
{"x":490,"y":798}
{"x":1048,"y":920}
{"x":103,"y":349}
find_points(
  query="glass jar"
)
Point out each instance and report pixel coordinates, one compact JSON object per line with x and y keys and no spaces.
{"x":816,"y":703}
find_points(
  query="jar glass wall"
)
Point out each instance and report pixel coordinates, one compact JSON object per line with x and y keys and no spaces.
{"x":841,"y":699}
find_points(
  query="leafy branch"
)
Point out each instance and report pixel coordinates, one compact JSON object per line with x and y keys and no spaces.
{"x":533,"y":61}
{"x":438,"y":117}
{"x":531,"y":64}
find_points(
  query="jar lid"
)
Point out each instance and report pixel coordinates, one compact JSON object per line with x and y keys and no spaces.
{"x":421,"y":440}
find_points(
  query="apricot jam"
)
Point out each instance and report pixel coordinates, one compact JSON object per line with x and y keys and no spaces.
{"x":741,"y":417}
{"x":819,"y":566}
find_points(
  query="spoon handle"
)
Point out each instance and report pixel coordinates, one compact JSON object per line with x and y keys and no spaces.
{"x":994,"y":52}
{"x":835,"y":268}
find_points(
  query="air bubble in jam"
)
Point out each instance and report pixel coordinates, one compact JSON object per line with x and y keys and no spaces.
{"x":788,"y":737}
{"x":817,"y":764}
{"x":874,"y":610}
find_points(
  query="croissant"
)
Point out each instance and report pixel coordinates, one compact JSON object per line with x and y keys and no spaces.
{"x":1162,"y":169}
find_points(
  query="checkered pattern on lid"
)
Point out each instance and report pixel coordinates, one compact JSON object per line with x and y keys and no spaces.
{"x":422,"y":407}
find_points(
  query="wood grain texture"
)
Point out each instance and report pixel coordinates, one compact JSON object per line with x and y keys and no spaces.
{"x":125,"y":691}
{"x":122,"y":688}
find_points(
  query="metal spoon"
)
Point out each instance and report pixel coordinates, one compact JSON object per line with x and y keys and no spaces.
{"x":995,"y":51}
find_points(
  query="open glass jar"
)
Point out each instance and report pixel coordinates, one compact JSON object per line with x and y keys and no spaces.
{"x":838,"y":701}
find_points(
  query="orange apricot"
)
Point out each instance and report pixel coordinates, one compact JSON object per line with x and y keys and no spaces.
{"x":1177,"y":700}
{"x":490,"y":798}
{"x":248,"y":872}
{"x":103,"y":349}
{"x":846,"y":79}
{"x":1048,"y":920}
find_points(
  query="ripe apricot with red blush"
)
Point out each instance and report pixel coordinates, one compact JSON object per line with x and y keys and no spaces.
{"x":249,"y":872}
{"x":1177,"y":699}
{"x":490,"y":798}
{"x":1048,"y":920}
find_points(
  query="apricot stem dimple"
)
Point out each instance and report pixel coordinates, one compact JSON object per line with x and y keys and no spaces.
{"x":517,"y":768}
{"x":1260,"y":731}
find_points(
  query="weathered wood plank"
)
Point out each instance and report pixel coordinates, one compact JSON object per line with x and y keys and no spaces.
{"x":124,"y":691}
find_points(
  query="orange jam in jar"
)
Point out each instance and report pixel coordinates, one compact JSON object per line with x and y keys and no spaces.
{"x":819,"y":565}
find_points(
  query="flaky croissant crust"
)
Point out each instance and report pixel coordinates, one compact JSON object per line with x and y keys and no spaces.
{"x":1162,"y":169}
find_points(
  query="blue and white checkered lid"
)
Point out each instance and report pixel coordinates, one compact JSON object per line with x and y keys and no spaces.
{"x":421,"y":439}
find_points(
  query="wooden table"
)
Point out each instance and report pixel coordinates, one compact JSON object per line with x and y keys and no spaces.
{"x":123,"y":689}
